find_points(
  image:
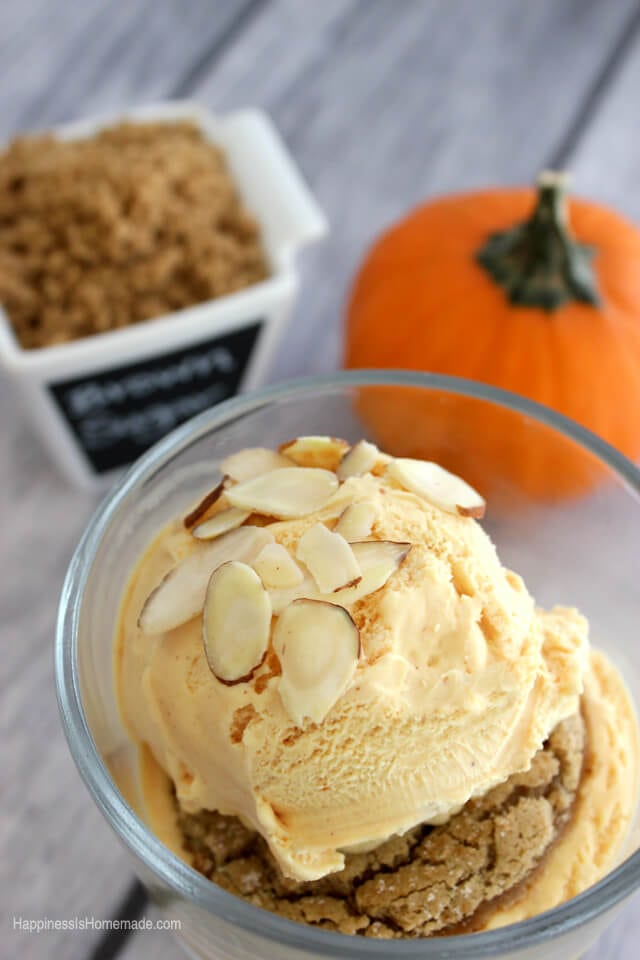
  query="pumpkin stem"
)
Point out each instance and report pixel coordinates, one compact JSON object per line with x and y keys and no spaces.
{"x":538,"y":263}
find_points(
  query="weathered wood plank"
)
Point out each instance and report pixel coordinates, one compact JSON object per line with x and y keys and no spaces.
{"x":59,"y":858}
{"x":605,"y":164}
{"x":156,"y":943}
{"x":68,"y":60}
{"x":47,"y":822}
{"x":387,"y":110}
{"x":620,"y":941}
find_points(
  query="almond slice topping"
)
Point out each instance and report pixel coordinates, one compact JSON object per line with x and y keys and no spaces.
{"x":220,"y":523}
{"x":377,"y":560}
{"x":286,"y":493}
{"x":435,"y":484}
{"x":276,"y":567}
{"x":236,"y":622}
{"x":318,"y":646}
{"x":180,"y":595}
{"x":381,"y":464}
{"x":252,"y":462}
{"x":361,"y":459}
{"x":356,"y":521}
{"x":329,"y":559}
{"x":307,"y":589}
{"x":203,"y":506}
{"x":315,"y":451}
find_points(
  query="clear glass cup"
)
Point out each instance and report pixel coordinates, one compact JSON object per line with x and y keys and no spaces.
{"x":564,"y":510}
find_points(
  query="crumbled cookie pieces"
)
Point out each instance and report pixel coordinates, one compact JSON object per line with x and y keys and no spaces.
{"x":428,"y":881}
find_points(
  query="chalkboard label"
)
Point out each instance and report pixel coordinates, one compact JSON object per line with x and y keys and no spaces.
{"x":117,"y":414}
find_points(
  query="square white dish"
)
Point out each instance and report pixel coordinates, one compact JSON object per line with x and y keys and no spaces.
{"x":99,"y":402}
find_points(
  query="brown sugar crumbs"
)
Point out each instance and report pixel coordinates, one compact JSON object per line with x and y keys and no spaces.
{"x":133,"y":223}
{"x":431,"y":880}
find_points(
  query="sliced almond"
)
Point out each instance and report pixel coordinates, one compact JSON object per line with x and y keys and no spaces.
{"x":356,"y":522}
{"x":381,"y":464}
{"x":315,"y":451}
{"x":377,"y":560}
{"x":236,"y":622}
{"x":441,"y":488}
{"x":252,"y":462}
{"x":285,"y":493}
{"x":361,"y":459}
{"x":220,"y":523}
{"x":318,"y":646}
{"x":205,"y":504}
{"x":180,"y":595}
{"x":329,"y":558}
{"x":178,"y":543}
{"x":307,"y":589}
{"x":276,"y":567}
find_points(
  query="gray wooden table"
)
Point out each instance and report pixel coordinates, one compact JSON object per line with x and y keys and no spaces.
{"x":383,"y":103}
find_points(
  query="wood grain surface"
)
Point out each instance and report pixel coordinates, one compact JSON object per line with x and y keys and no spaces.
{"x":382,"y":104}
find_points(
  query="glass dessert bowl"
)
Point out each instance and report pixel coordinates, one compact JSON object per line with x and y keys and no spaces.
{"x":575,"y":549}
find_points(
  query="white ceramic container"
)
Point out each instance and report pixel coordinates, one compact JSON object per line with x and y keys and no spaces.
{"x":99,"y":402}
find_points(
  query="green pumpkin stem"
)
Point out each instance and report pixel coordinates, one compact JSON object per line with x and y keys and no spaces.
{"x":538,"y":263}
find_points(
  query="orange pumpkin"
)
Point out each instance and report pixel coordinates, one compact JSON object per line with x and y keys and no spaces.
{"x":538,"y":296}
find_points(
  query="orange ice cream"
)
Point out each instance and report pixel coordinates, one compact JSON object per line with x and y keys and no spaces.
{"x":391,"y":684}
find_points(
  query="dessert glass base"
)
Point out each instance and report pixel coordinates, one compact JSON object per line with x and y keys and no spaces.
{"x":574,"y":541}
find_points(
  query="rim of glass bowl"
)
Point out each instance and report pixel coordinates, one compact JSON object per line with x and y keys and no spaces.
{"x":177,"y":875}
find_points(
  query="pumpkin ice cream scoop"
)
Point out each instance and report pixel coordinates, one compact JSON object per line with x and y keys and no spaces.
{"x":330,"y":650}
